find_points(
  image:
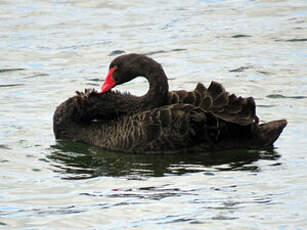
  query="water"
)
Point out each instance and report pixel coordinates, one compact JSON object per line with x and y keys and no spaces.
{"x":51,"y":48}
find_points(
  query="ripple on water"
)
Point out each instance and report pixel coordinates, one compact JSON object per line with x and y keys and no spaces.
{"x":10,"y":85}
{"x":293,"y":40}
{"x":240,"y":69}
{"x":4,"y":147}
{"x":11,"y":70}
{"x":280,"y":96}
{"x":116,"y":52}
{"x":241,"y":36}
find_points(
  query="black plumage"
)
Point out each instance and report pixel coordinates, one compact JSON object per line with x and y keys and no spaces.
{"x":162,"y":121}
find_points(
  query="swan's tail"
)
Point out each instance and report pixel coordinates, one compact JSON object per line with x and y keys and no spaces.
{"x":269,"y":132}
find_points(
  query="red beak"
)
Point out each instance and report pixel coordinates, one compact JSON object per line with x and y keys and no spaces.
{"x":108,"y":83}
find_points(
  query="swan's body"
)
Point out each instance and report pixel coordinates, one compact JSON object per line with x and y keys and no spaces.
{"x":161,"y":121}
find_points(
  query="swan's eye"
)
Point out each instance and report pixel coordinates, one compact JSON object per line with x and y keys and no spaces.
{"x":115,"y":67}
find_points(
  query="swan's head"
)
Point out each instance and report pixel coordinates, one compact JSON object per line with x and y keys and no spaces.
{"x":125,"y":68}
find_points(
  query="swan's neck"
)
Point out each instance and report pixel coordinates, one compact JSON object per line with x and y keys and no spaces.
{"x":158,"y":88}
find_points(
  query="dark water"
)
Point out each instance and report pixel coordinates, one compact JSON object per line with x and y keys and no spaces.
{"x":49,"y":49}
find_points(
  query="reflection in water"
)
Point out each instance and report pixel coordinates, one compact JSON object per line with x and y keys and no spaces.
{"x":80,"y":161}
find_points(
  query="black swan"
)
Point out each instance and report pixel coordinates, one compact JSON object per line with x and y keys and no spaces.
{"x":161,"y":121}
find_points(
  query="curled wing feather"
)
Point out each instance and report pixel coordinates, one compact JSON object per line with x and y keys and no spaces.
{"x":216,"y":100}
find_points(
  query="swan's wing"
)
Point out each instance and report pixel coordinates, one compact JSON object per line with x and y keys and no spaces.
{"x":217,"y":101}
{"x":91,"y":105}
{"x":167,"y":129}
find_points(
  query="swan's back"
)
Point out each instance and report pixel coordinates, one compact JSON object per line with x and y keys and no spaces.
{"x":217,"y":101}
